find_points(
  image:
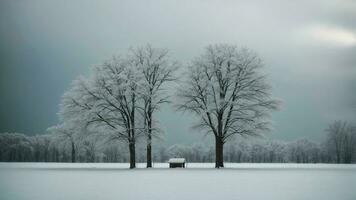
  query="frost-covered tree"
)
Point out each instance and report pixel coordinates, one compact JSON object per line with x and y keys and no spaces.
{"x":156,"y":69}
{"x":41,"y":145}
{"x":303,"y":151}
{"x":107,"y":100}
{"x":237,"y":151}
{"x":114,"y":152}
{"x":227,"y":91}
{"x":90,"y":145}
{"x":341,"y":141}
{"x":15,"y":147}
{"x":69,"y":133}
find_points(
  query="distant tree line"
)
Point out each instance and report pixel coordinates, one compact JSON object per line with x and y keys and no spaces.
{"x":339,"y":146}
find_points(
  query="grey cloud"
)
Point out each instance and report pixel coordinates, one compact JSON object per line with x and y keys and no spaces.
{"x":46,"y":44}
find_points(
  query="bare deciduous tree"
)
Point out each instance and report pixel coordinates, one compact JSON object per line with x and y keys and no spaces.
{"x":227,"y":91}
{"x":72,"y":133}
{"x":107,"y":99}
{"x":157,"y":69}
{"x":341,"y":141}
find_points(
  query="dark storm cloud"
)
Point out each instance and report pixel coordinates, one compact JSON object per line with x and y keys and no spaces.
{"x":308,"y":47}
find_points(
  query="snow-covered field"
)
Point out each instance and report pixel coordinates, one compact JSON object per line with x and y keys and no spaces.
{"x":93,"y":181}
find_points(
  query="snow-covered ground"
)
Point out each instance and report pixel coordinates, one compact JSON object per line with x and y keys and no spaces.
{"x":93,"y":181}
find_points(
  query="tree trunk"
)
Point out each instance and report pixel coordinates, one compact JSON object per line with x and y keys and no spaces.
{"x":149,"y":139}
{"x":219,"y":152}
{"x":132,"y":155}
{"x":149,"y":151}
{"x":132,"y":137}
{"x":149,"y":136}
{"x":73,"y":153}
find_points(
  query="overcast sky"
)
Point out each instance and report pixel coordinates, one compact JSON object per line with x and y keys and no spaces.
{"x":308,"y":47}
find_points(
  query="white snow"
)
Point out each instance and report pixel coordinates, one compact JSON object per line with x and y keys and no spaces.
{"x":176,"y":160}
{"x":92,"y":181}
